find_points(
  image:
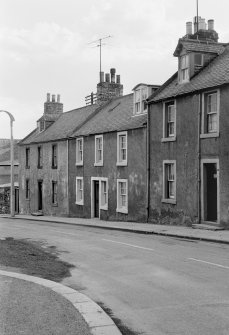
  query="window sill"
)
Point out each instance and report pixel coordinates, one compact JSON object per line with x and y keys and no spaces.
{"x":27,"y":199}
{"x":40,"y":167}
{"x":104,"y":208}
{"x":80,"y":203}
{"x":209,"y":135}
{"x":122,"y":210}
{"x":27,"y":167}
{"x":169,"y":201}
{"x":54,"y":167}
{"x":169,"y":139}
{"x":98,"y":164}
{"x":79,"y":164}
{"x":121,"y":164}
{"x":55,"y":205}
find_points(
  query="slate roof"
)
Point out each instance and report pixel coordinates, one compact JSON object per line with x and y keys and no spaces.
{"x":215,"y":74}
{"x":5,"y":152}
{"x":62,"y":128}
{"x":199,"y":46}
{"x":117,"y":115}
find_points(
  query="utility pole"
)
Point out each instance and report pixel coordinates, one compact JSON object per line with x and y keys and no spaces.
{"x":99,"y":41}
{"x":197,"y":10}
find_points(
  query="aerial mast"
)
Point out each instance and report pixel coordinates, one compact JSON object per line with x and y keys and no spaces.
{"x":99,"y":41}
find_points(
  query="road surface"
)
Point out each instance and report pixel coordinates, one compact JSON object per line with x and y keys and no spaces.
{"x":155,"y":285}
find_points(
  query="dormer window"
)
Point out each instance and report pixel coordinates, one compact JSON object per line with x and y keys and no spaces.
{"x":184,"y":68}
{"x":140,"y":96}
{"x":198,"y":59}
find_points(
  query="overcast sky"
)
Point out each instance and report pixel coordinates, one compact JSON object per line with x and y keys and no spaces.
{"x":44,"y":47}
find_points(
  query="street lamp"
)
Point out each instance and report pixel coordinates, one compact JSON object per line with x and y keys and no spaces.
{"x":12,"y":162}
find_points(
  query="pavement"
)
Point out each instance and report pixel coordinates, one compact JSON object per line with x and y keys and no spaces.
{"x":32,"y":305}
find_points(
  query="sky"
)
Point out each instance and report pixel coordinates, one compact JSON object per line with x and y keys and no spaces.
{"x":45,"y":47}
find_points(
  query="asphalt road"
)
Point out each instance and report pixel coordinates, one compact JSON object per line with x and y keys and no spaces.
{"x":156,"y":285}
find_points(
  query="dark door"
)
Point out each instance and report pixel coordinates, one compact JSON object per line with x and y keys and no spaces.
{"x":40,"y":199}
{"x":96,"y":197}
{"x":211,"y":191}
{"x":16,"y":200}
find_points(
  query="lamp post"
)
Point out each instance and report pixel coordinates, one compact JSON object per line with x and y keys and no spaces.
{"x":12,"y":163}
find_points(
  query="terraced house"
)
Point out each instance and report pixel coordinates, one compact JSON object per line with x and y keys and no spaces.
{"x":89,"y":162}
{"x":189,"y":123}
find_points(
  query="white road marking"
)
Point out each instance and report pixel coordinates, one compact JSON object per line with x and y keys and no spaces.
{"x":129,"y":245}
{"x":199,"y":260}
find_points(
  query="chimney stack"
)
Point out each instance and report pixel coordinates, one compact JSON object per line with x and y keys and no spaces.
{"x":112,"y":71}
{"x":210,"y":24}
{"x":188,"y":28}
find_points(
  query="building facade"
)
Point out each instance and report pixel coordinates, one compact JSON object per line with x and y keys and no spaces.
{"x":189,"y":156}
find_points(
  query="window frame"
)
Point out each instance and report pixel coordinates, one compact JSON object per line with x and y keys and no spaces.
{"x":165,"y":197}
{"x":204,"y":120}
{"x":98,"y":162}
{"x":79,"y":162}
{"x":141,"y":101}
{"x":54,"y":156}
{"x":81,"y":201}
{"x":121,"y":162}
{"x":27,"y":158}
{"x":184,"y":69}
{"x":40,"y":157}
{"x":54,"y":193}
{"x":122,"y":209}
{"x":27,"y":189}
{"x":166,"y":137}
{"x":101,"y":205}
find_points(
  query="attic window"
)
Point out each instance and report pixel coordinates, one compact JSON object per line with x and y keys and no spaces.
{"x":41,"y":125}
{"x":140,"y":96}
{"x":184,"y":69}
{"x":198,"y":59}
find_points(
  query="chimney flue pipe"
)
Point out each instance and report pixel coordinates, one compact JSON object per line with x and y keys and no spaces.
{"x":53,"y":98}
{"x":48,"y":97}
{"x":188,"y":28}
{"x":112,"y":71}
{"x":210,"y":24}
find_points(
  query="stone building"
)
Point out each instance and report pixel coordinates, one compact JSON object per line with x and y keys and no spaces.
{"x":189,"y":123}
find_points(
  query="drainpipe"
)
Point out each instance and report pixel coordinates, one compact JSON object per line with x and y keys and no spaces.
{"x":68,"y":177}
{"x":199,"y":159}
{"x":148,"y":163}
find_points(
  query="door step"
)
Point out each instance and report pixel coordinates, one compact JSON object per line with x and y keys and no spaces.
{"x":206,"y":227}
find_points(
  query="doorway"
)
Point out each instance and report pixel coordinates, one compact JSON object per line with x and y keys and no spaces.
{"x":96,"y":199}
{"x":16,"y":200}
{"x":40,"y":195}
{"x":210,"y":191}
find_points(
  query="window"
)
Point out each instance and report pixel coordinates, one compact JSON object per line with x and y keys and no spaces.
{"x":54,"y":156}
{"x":27,"y":158}
{"x":198,"y":60}
{"x":210,"y":115}
{"x":41,"y":125}
{"x":79,"y":151}
{"x":54,"y":192}
{"x":169,"y":181}
{"x":79,"y":191}
{"x":27,"y":189}
{"x":140,"y":96}
{"x":122,"y":148}
{"x":122,"y":196}
{"x":104,"y":194}
{"x":39,"y":157}
{"x":184,"y":68}
{"x":169,"y":121}
{"x":98,"y":150}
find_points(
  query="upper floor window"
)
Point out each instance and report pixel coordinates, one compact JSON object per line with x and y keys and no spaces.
{"x":41,"y":125}
{"x":140,"y":96}
{"x":184,"y":68}
{"x":54,"y":156}
{"x":169,"y":121}
{"x":99,"y":150}
{"x":198,"y":59}
{"x":122,"y":148}
{"x":27,"y":158}
{"x":79,"y":151}
{"x":169,"y":181}
{"x":210,"y":114}
{"x":27,"y":189}
{"x":39,"y":157}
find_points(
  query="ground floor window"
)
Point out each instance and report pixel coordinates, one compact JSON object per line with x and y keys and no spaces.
{"x":169,"y":181}
{"x":54,"y":192}
{"x":104,"y":194}
{"x":122,"y":196}
{"x":79,"y":191}
{"x":27,"y":189}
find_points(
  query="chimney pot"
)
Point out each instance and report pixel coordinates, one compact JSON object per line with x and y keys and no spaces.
{"x":188,"y":28}
{"x":58,"y":97}
{"x":107,"y":77}
{"x":53,"y":98}
{"x":48,"y":97}
{"x":112,"y":71}
{"x":210,"y":24}
{"x":101,"y":74}
{"x":118,"y":80}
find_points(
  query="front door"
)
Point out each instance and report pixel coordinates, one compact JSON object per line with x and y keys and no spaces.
{"x":40,"y":195}
{"x":210,"y":192}
{"x":96,"y":198}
